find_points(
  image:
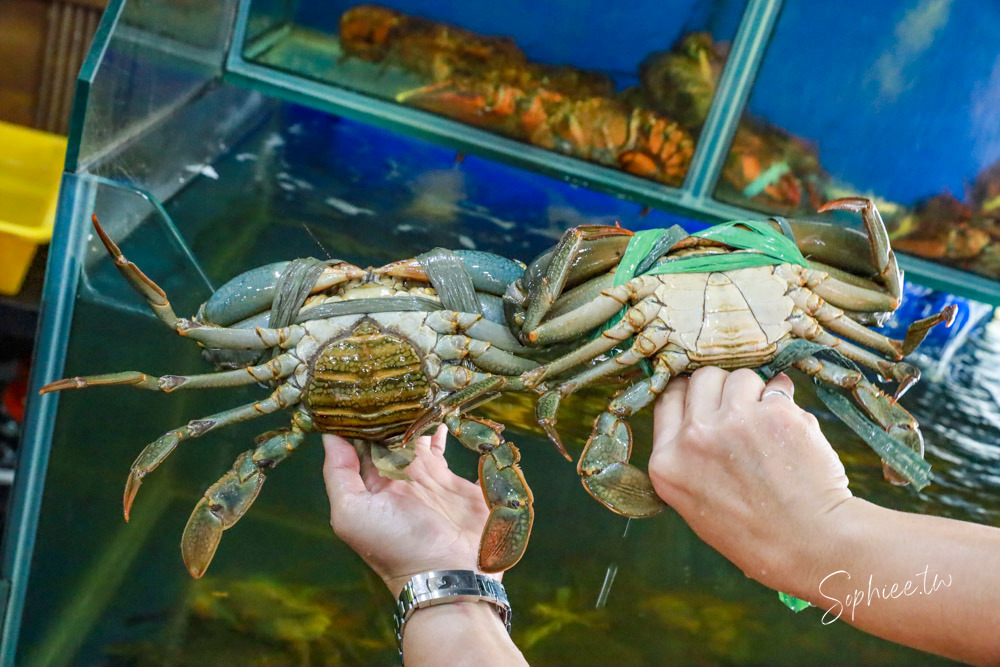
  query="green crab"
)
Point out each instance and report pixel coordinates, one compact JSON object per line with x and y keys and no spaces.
{"x":378,"y":355}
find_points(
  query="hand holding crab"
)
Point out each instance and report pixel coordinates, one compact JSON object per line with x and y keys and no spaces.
{"x":382,"y":355}
{"x":402,"y":528}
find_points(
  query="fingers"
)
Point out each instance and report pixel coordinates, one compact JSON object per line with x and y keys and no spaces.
{"x":704,"y":394}
{"x":438,"y":440}
{"x":341,"y":470}
{"x":432,"y":444}
{"x":779,"y":383}
{"x":668,"y":413}
{"x":741,"y":387}
{"x":372,"y":478}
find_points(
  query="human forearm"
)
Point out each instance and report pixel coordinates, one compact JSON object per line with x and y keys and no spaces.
{"x":927,"y":582}
{"x":461,"y":633}
{"x":755,"y":478}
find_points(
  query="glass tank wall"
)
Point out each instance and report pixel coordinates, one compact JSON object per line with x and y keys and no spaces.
{"x":898,"y":101}
{"x":199,"y":175}
{"x":591,"y":85}
{"x":895,"y":104}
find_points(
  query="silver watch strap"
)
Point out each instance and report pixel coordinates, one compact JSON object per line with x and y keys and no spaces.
{"x":443,"y":586}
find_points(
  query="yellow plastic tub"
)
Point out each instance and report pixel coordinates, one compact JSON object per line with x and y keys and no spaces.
{"x":31,"y":164}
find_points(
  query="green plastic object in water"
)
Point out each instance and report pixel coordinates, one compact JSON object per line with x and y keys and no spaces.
{"x":792,"y":602}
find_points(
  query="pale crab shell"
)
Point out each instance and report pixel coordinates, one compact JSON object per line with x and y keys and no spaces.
{"x":736,"y":316}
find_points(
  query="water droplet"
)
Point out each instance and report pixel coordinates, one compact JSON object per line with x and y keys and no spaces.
{"x":732,"y":456}
{"x":788,"y":467}
{"x":763,"y":572}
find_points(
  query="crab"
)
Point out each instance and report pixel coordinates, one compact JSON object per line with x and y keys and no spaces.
{"x":604,"y":130}
{"x":381,"y":355}
{"x":489,"y":82}
{"x":374,"y":355}
{"x":682,"y":320}
{"x":440,"y":52}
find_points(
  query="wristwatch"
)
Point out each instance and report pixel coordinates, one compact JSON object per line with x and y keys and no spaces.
{"x":443,"y":586}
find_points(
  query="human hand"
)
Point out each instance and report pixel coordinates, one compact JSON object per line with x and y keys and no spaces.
{"x":754,"y":477}
{"x":403,"y":528}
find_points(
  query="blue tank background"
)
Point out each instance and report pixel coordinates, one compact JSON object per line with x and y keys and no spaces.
{"x":823,"y":77}
{"x":332,"y":145}
{"x":908,"y":114}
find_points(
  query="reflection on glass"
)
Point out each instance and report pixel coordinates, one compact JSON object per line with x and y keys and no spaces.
{"x":633,"y":100}
{"x":900,"y":105}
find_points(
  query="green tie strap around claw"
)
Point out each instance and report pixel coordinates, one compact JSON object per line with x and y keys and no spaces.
{"x":900,"y":458}
{"x":758,"y":243}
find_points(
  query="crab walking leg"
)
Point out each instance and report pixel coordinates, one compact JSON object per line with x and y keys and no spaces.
{"x":917,"y":331}
{"x":606,"y":245}
{"x":224,"y":338}
{"x":571,"y":324}
{"x":473,"y":390}
{"x":150,"y":291}
{"x":884,"y":410}
{"x":851,"y":295}
{"x":878,"y":240}
{"x":837,"y":321}
{"x":604,"y":466}
{"x":805,"y":326}
{"x":483,"y":354}
{"x":634,"y":320}
{"x":508,"y":527}
{"x":278,"y":368}
{"x":227,"y":500}
{"x":158,"y":450}
{"x":648,"y":342}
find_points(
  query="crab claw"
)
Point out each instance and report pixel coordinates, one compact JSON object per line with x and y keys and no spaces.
{"x":505,"y":536}
{"x":910,"y":436}
{"x":201,"y":538}
{"x":223,"y":505}
{"x":609,"y":477}
{"x":878,"y":240}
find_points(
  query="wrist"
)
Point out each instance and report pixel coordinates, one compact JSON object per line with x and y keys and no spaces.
{"x":448,"y":588}
{"x":846,"y":533}
{"x":396,"y":583}
{"x":465,"y":632}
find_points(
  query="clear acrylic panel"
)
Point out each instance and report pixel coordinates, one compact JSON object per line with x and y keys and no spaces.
{"x":895,"y":100}
{"x":625,"y":87}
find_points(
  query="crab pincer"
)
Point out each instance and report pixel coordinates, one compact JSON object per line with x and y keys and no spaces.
{"x":505,"y":536}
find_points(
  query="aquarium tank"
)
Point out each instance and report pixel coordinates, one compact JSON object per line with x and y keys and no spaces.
{"x":214,"y":136}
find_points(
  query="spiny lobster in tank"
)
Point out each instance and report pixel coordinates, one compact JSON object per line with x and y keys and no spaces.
{"x":381,"y":355}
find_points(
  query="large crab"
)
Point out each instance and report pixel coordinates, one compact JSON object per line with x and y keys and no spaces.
{"x":377,"y":355}
{"x":684,"y":309}
{"x":381,"y":355}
